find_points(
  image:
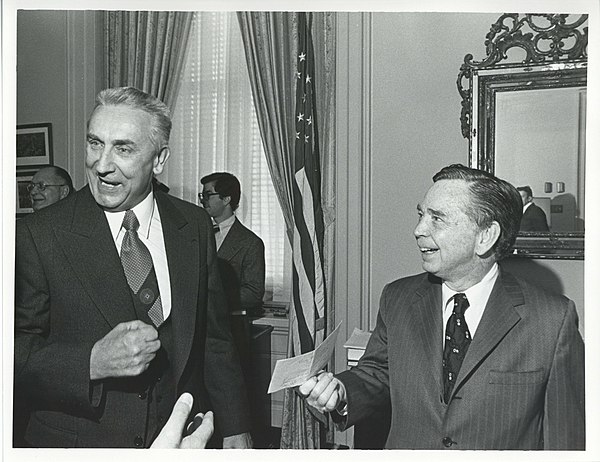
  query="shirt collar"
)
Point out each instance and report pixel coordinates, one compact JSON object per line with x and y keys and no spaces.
{"x":143,"y":211}
{"x":227,"y":223}
{"x":478,"y":293}
{"x":526,"y":206}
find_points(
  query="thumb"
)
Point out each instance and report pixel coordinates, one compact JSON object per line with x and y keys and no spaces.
{"x":171,"y":434}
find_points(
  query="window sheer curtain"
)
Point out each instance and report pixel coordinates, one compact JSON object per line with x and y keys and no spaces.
{"x":215,"y":129}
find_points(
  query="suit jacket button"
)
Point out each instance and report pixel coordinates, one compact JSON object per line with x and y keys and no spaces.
{"x":142,"y":395}
{"x":447,"y":441}
{"x":138,"y":441}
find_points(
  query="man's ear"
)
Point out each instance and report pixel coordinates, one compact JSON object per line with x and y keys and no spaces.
{"x":487,"y":238}
{"x":160,"y":160}
{"x":64,"y":191}
{"x":227,"y":199}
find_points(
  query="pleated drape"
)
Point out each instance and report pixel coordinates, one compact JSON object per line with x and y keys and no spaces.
{"x":146,"y":49}
{"x":270,"y":40}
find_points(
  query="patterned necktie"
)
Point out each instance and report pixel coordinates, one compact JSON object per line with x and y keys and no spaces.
{"x":139,"y":269}
{"x":458,"y":339}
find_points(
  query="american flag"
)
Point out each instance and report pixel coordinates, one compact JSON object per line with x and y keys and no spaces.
{"x":308,"y":284}
{"x":301,"y":428}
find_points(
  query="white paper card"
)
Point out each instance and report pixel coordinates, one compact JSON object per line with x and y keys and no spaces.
{"x":295,"y":371}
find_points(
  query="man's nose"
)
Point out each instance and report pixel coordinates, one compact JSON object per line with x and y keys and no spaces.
{"x":421,"y":228}
{"x":105,"y":161}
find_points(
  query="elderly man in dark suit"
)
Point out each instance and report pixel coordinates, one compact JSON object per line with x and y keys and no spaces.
{"x":534,"y":218}
{"x":119,"y":307}
{"x":466,"y":355}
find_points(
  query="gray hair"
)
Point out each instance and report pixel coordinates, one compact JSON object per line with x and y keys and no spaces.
{"x":137,"y":99}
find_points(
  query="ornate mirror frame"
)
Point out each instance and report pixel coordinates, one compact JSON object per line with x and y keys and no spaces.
{"x":555,"y":47}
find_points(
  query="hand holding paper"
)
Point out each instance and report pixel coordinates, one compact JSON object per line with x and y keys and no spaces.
{"x":295,"y":371}
{"x":324,"y":392}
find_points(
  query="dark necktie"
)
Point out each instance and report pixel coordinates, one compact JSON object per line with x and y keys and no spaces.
{"x":457,"y":341}
{"x":215,"y":228}
{"x":139,"y":269}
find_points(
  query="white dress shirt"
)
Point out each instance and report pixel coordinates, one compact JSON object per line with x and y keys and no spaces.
{"x":477,"y":295}
{"x":151,"y":234}
{"x":224,"y":228}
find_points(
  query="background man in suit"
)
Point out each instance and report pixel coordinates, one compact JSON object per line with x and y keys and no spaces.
{"x":467,"y":355}
{"x":534,"y":218}
{"x":241,"y":256}
{"x":48,"y":186}
{"x":241,"y":252}
{"x":102,"y":351}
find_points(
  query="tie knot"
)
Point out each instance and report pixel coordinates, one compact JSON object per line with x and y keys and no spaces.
{"x":460,"y":304}
{"x":130,"y":221}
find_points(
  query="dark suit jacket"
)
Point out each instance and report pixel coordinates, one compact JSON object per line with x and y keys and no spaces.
{"x":521,"y":385}
{"x":534,"y":219}
{"x":71,"y":291}
{"x":242,"y":268}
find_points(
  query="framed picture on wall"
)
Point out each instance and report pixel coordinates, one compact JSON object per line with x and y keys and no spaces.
{"x":23,"y":200}
{"x":34,"y":144}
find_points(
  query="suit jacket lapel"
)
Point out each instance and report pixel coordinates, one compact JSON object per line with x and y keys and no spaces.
{"x":499,"y":317}
{"x":232,"y":243}
{"x":91,"y":251}
{"x":181,"y":245}
{"x":428,"y":310}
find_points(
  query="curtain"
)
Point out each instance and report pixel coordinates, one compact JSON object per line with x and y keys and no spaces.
{"x":272,"y":50}
{"x":215,"y":129}
{"x":146,"y":49}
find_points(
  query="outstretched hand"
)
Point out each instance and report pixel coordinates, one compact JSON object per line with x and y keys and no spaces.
{"x":200,"y":430}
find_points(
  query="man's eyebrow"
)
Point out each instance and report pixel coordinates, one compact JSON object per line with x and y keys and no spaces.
{"x":123,"y":142}
{"x":437,"y":213}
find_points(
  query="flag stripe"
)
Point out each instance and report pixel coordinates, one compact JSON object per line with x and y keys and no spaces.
{"x":309,"y":214}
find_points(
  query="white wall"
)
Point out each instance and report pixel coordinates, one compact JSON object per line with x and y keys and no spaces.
{"x":398,"y":124}
{"x":59,"y":72}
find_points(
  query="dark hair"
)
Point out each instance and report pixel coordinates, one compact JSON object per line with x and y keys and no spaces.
{"x":137,"y":99}
{"x":62,"y":174}
{"x":491,"y":199}
{"x":227,"y":185}
{"x":527,"y":189}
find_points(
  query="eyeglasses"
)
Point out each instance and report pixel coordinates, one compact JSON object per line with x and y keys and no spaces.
{"x":204,"y":196}
{"x":41,"y":186}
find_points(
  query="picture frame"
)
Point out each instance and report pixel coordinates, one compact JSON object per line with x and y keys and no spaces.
{"x":23,"y":206}
{"x":34,"y":145}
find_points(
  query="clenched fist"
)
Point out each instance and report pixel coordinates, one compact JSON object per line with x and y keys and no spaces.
{"x":126,"y":351}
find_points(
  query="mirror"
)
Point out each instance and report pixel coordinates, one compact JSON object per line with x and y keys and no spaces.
{"x":524,"y":111}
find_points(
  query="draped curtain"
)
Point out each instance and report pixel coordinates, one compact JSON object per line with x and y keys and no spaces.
{"x":215,"y":129}
{"x":146,"y":50}
{"x":271,"y":53}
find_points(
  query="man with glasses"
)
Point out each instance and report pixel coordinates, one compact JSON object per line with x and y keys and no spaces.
{"x":48,"y":186}
{"x":241,"y":252}
{"x":241,"y":259}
